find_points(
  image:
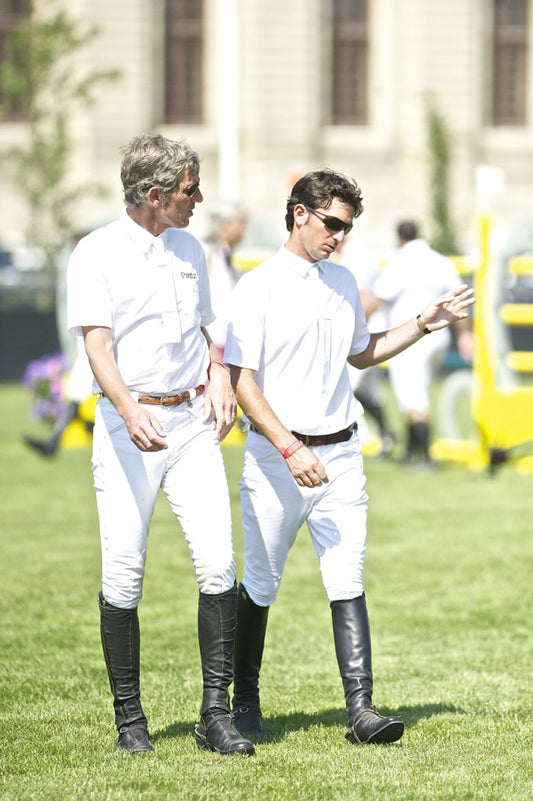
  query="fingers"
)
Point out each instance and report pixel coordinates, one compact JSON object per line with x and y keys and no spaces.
{"x":220,"y":405}
{"x":224,"y":413}
{"x":311,"y":481}
{"x":306,"y":469}
{"x":463,"y":294}
{"x":223,"y":429}
{"x":207,"y":410}
{"x":450,"y":307}
{"x":147,"y":434}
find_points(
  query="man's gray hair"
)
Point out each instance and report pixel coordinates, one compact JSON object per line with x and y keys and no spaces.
{"x":152,"y":160}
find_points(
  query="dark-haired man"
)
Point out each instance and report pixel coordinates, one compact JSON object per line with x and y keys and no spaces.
{"x":296,"y":321}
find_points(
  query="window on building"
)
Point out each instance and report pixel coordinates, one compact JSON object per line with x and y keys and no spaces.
{"x":13,"y":87}
{"x":184,"y":63}
{"x":510,"y":59}
{"x":349,"y":90}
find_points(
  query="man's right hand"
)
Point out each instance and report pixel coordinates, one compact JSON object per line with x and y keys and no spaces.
{"x":145,"y":431}
{"x":306,"y":469}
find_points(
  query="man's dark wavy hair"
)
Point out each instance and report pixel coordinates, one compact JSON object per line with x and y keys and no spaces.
{"x":318,"y":190}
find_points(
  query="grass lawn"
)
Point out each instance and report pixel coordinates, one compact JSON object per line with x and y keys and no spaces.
{"x":448,"y":577}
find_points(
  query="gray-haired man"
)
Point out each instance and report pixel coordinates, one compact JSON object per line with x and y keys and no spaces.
{"x":138,"y":293}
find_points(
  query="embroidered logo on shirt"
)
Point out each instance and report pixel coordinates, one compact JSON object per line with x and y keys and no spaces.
{"x":188,"y":275}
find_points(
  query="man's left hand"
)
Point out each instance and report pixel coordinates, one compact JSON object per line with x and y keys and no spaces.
{"x":449,"y":308}
{"x":220,"y":403}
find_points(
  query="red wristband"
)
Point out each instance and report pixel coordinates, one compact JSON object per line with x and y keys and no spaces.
{"x":293,"y":447}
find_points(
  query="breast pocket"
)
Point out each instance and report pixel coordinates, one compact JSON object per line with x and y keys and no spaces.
{"x":187,"y":292}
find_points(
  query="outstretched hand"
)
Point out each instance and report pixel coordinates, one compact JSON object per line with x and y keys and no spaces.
{"x":449,"y":308}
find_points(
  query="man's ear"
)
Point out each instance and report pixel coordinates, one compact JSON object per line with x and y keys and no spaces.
{"x":154,"y":195}
{"x":301,"y":215}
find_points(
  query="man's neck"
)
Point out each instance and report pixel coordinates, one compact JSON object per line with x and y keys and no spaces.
{"x":144,"y":216}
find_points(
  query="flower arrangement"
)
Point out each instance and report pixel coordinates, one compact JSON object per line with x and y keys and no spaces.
{"x":44,"y":379}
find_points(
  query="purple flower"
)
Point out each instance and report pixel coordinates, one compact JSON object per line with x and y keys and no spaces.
{"x":44,"y":379}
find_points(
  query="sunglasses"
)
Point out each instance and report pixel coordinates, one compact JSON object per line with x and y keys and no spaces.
{"x":191,"y":190}
{"x":333,"y":223}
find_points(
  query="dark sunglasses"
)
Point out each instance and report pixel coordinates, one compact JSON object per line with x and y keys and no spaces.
{"x":191,"y":190}
{"x":333,"y":223}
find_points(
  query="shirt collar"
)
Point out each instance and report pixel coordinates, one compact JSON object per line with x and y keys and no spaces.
{"x":302,"y":266}
{"x":142,"y":238}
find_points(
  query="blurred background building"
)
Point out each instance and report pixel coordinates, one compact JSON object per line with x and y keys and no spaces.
{"x":427,"y":103}
{"x":268,"y":90}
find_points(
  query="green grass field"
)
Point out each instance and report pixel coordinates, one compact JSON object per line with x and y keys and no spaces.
{"x":448,"y":577}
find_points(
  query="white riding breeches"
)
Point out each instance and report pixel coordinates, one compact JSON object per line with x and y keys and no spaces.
{"x":412,"y":371}
{"x":191,"y":474}
{"x":274,"y":507}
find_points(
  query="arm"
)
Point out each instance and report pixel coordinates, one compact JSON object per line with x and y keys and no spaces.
{"x":303,"y":465}
{"x":219,"y":398}
{"x":449,"y":308}
{"x":143,"y":427}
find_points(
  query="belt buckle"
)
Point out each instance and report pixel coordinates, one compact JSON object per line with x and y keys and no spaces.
{"x":162,"y":399}
{"x":306,"y":439}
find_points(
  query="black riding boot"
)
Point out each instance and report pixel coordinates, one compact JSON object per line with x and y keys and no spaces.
{"x":418,"y":436}
{"x":217,"y":616}
{"x":421,"y":435}
{"x":48,"y":447}
{"x":249,"y":643}
{"x":351,"y":631}
{"x":121,"y":644}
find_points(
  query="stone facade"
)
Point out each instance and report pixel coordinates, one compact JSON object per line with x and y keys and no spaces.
{"x":418,"y":48}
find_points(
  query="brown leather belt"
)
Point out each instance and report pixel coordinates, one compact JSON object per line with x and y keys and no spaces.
{"x":314,"y":440}
{"x":172,"y":400}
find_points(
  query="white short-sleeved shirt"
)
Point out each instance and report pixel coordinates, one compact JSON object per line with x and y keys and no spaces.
{"x":412,"y":278}
{"x":222,"y":279}
{"x":365,"y":267}
{"x":295,"y":324}
{"x":153,"y":293}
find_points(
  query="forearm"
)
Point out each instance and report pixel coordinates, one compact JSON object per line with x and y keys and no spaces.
{"x":214,"y":355}
{"x":258,"y":410}
{"x":386,"y":344}
{"x":441,"y":312}
{"x":220,"y":397}
{"x":99,"y":348}
{"x":304,"y":466}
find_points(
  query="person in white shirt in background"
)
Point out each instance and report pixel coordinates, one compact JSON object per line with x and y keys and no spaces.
{"x":227,"y":221}
{"x":410,"y":279}
{"x":367,"y":385}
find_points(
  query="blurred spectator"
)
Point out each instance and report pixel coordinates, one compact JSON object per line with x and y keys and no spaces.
{"x":367,"y":385}
{"x":226,"y":227}
{"x":78,"y":384}
{"x":411,"y":278}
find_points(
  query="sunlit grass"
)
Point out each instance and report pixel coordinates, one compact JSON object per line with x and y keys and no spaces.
{"x":448,"y":577}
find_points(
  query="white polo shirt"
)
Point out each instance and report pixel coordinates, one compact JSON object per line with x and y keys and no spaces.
{"x":153,"y":293}
{"x":295,"y":324}
{"x":412,"y":278}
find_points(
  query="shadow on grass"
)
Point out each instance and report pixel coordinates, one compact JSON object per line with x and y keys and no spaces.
{"x":174,"y":730}
{"x":412,"y":714}
{"x":279,"y":726}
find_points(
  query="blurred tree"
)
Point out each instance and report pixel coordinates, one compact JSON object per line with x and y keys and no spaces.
{"x":443,"y":237}
{"x":42,"y":77}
